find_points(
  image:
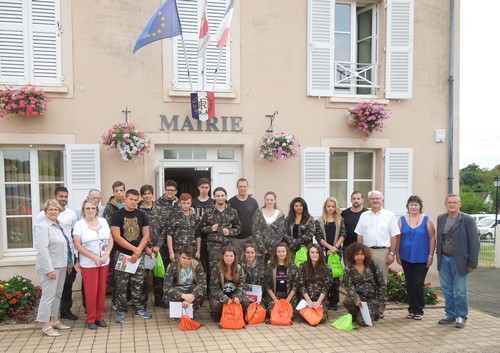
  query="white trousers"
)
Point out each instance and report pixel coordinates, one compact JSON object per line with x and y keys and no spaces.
{"x":51,"y":294}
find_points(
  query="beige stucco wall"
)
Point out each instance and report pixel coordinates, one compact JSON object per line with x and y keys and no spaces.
{"x":270,"y":38}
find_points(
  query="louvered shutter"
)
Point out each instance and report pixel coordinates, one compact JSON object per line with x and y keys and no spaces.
{"x":398,"y":178}
{"x":190,"y":15}
{"x":13,"y":47}
{"x":320,"y":35}
{"x":83,"y":172}
{"x":399,"y":71}
{"x":45,"y":41}
{"x":315,"y":187}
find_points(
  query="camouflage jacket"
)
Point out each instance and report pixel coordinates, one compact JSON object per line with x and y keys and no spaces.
{"x":254,"y":274}
{"x":320,"y":233}
{"x":217,"y":284}
{"x":183,"y":229}
{"x":305,"y":236}
{"x":267,"y":236}
{"x":367,"y":285}
{"x":158,"y":217}
{"x":162,"y":202}
{"x":317,"y":286}
{"x":292,"y":279}
{"x":228,"y":218}
{"x":110,"y":209}
{"x":173,"y":290}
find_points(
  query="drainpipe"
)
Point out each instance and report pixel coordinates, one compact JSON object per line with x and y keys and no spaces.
{"x":451,"y":95}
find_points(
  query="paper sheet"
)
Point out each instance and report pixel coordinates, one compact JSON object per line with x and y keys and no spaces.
{"x":123,"y":263}
{"x":176,"y":310}
{"x":302,"y":304}
{"x":149,"y":262}
{"x":254,"y":291}
{"x":366,"y":314}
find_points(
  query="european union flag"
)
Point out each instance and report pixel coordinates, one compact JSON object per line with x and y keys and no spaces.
{"x":165,"y":23}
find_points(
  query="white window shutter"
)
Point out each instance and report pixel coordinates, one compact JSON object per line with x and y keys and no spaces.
{"x":83,"y":172}
{"x":190,"y":15}
{"x":314,"y":181}
{"x":320,"y":35}
{"x":399,"y":70}
{"x":13,"y":47}
{"x":398,"y":179}
{"x":45,"y":40}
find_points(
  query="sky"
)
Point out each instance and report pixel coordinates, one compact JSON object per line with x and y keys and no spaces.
{"x":479,"y":81}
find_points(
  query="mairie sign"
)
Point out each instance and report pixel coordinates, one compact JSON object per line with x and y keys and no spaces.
{"x":216,"y":124}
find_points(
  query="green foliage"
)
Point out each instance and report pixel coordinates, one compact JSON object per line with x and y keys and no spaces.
{"x":476,"y":184}
{"x":17,"y":297}
{"x":396,"y":289}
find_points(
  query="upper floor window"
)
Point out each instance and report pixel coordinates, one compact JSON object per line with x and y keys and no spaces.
{"x":30,"y":42}
{"x":201,"y":70}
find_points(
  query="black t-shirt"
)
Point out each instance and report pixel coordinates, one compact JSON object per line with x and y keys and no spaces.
{"x":351,"y":221}
{"x":330,"y":228}
{"x":201,"y":206}
{"x":246,"y":210}
{"x":130,"y":224}
{"x":281,"y":279}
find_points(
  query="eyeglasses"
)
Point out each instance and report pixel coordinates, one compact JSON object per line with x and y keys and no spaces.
{"x":90,"y":208}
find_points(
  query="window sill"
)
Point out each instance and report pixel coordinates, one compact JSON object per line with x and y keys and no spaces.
{"x":48,"y":89}
{"x":228,"y":95}
{"x":357,"y":100}
{"x":17,"y":260}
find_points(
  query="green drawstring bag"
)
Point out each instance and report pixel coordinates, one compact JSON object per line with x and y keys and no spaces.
{"x":300,"y":256}
{"x":336,"y":265}
{"x":159,"y":268}
{"x":344,"y":323}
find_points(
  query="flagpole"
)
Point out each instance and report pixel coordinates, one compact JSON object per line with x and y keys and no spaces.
{"x":187,"y":62}
{"x":217,"y":68}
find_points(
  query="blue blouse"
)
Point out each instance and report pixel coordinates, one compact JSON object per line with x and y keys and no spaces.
{"x":415,"y":244}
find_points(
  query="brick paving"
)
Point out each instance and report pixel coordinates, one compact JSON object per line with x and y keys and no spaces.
{"x":394,"y":333}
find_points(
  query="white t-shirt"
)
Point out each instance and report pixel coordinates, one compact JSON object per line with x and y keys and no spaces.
{"x":94,"y":240}
{"x":377,"y":228}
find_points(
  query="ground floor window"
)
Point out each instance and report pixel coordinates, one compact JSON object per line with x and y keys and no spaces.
{"x":29,"y":178}
{"x":351,"y":171}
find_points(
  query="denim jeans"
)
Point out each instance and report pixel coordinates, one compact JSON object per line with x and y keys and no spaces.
{"x":454,"y":288}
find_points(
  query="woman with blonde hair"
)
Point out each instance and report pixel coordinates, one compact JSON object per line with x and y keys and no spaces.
{"x":330,"y":236}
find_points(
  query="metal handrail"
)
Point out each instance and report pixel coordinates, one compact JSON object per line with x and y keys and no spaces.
{"x":355,"y":75}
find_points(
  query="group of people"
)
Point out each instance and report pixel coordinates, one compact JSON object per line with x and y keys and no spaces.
{"x":212,"y":248}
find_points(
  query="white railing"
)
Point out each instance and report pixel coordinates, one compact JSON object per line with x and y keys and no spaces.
{"x":352,"y":76}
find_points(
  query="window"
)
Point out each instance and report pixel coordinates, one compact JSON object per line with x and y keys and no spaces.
{"x":343,"y":48}
{"x":351,"y":171}
{"x":30,"y":42}
{"x":202,"y":80}
{"x":30,"y":177}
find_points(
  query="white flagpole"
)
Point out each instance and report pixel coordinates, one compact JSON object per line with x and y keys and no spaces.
{"x":217,"y":68}
{"x":204,"y":56}
{"x":187,"y":62}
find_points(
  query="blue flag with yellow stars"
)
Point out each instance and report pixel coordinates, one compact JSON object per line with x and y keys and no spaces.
{"x":165,"y":23}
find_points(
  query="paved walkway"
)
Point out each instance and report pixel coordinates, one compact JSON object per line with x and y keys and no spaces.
{"x":394,"y":333}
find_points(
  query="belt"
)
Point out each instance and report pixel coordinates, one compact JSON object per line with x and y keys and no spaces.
{"x":379,"y":247}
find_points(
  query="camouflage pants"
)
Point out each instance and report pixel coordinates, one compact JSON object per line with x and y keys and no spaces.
{"x":198,"y":301}
{"x":214,"y":253}
{"x":374,"y":308}
{"x":124,"y":280}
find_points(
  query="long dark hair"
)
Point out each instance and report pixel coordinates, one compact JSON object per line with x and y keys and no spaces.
{"x":355,"y":248}
{"x":317,"y":272}
{"x":291,"y":212}
{"x":288,"y":259}
{"x":223,"y":267}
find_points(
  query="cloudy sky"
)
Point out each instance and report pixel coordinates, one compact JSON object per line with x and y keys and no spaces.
{"x":479,"y":83}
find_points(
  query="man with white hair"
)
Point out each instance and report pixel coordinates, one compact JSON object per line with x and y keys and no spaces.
{"x":377,"y":229}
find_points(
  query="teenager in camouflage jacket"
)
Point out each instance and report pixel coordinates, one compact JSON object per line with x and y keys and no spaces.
{"x":267,"y":236}
{"x":369,"y":287}
{"x":300,"y":234}
{"x":183,"y":230}
{"x":254,"y":270}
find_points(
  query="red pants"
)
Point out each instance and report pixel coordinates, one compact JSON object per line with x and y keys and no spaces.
{"x":94,"y":281}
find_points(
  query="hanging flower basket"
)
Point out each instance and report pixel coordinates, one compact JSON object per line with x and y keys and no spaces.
{"x":367,"y":117}
{"x":130,"y":142}
{"x":278,"y":146}
{"x":26,"y":101}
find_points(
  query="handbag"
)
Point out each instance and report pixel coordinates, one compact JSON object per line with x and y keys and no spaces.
{"x":159,"y":268}
{"x":187,"y":324}
{"x":300,"y":256}
{"x":336,"y":265}
{"x":312,"y":315}
{"x":282,"y":313}
{"x":256,"y":314}
{"x":232,"y":316}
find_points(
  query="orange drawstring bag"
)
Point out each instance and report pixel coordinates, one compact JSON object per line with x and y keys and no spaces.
{"x":282,"y":313}
{"x":312,"y":315}
{"x":232,"y":316}
{"x":187,"y":324}
{"x":256,"y":314}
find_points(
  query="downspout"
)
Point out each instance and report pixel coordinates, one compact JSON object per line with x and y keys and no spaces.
{"x":451,"y":95}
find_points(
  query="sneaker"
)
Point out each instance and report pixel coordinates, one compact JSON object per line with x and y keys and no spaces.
{"x":119,"y":317}
{"x":460,"y":322}
{"x":446,"y":320}
{"x":143,"y":313}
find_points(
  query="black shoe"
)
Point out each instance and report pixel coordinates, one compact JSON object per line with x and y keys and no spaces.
{"x":101,"y":323}
{"x":91,"y":326}
{"x":68,"y":315}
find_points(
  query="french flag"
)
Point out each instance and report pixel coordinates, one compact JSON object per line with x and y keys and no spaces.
{"x":222,"y":35}
{"x":202,"y":105}
{"x":204,"y":36}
